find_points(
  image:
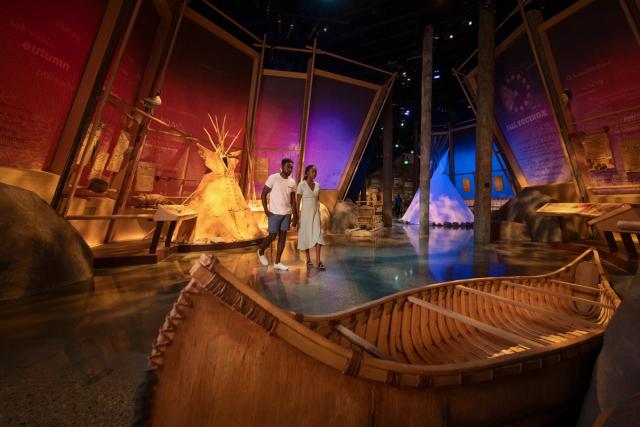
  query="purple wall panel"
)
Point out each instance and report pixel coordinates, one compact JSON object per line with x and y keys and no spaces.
{"x":525,"y":117}
{"x":337,"y":113}
{"x":278,"y":118}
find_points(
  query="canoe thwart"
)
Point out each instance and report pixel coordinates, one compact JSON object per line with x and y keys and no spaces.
{"x":509,"y":336}
{"x":361,"y":342}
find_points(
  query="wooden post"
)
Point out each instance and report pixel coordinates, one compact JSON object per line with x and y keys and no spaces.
{"x":249,"y":182}
{"x":83,"y":105}
{"x":425,"y":127}
{"x":484,"y":128}
{"x":88,"y":149}
{"x":387,"y":163}
{"x":452,"y":164}
{"x":532,"y":19}
{"x":306,"y":108}
{"x":416,"y":150}
{"x":140,"y":139}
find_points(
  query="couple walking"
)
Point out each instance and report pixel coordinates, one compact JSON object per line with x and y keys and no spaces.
{"x":284,"y":199}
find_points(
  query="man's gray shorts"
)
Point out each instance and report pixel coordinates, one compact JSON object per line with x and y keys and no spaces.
{"x":279,"y":223}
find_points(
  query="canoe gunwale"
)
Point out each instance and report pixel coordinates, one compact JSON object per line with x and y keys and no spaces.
{"x":356,"y":362}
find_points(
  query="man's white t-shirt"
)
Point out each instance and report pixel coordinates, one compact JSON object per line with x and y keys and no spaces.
{"x":280,"y":195}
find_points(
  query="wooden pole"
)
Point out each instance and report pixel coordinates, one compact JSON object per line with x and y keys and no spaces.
{"x":88,"y":149}
{"x":249,"y":182}
{"x":452,"y":165}
{"x":484,"y":128}
{"x":140,"y":139}
{"x":306,"y":109}
{"x":416,"y":150}
{"x":426,"y":95}
{"x":532,"y":19}
{"x":387,"y":163}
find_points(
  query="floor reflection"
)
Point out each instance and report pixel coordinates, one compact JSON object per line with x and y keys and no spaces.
{"x":359,"y":271}
{"x":75,"y":358}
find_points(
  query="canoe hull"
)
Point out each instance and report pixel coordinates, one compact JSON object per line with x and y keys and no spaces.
{"x":219,"y":367}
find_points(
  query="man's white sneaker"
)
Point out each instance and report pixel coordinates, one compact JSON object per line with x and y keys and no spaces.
{"x":263,"y":259}
{"x":280,"y":266}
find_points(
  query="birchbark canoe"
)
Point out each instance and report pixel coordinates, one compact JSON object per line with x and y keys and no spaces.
{"x":485,"y":351}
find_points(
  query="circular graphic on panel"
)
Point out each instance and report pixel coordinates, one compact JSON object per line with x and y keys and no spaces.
{"x":515,"y":93}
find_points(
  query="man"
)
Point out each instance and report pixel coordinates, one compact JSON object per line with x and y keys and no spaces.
{"x":282,"y":202}
{"x":397,"y":205}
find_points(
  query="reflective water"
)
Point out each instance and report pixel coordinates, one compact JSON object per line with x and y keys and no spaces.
{"x":361,"y":270}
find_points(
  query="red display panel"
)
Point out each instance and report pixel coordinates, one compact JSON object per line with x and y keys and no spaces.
{"x":205,"y":75}
{"x":338,"y":111}
{"x":278,"y":119}
{"x":598,"y":59}
{"x":44,"y":47}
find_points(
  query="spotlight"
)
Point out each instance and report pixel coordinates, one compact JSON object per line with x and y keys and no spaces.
{"x":397,"y":145}
{"x":325,"y":29}
{"x":470,"y":23}
{"x":450,"y":36}
{"x":404,"y":74}
{"x":411,"y":151}
{"x":407,"y":113}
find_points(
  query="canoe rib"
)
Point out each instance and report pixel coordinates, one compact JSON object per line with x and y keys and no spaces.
{"x":514,"y":338}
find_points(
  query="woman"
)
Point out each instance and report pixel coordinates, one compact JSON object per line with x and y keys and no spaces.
{"x":309,"y":231}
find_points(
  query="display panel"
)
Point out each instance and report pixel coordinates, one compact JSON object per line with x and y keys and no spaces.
{"x":278,"y":121}
{"x":44,"y":46}
{"x":523,"y":113}
{"x":598,"y":61}
{"x":338,"y":111}
{"x":465,"y":167}
{"x":206,"y":75}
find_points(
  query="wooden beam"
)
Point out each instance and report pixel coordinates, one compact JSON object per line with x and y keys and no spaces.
{"x":249,"y":183}
{"x":88,"y":149}
{"x":426,"y":98}
{"x":306,"y":109}
{"x":506,"y":335}
{"x":345,"y":79}
{"x":368,"y":126}
{"x":83,"y":104}
{"x":234,"y":22}
{"x":566,"y":13}
{"x":532,"y":20}
{"x":484,"y":125}
{"x":218,"y":31}
{"x":140,"y":139}
{"x":284,"y":74}
{"x":632,"y":13}
{"x":553,"y":314}
{"x":361,"y":342}
{"x":576,"y":286}
{"x":351,"y":61}
{"x":556,"y":294}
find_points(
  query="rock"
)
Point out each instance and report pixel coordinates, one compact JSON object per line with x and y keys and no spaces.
{"x":345,"y":216}
{"x":522,"y":209}
{"x":325,"y":219}
{"x":40,"y":251}
{"x":616,"y":375}
{"x":514,"y":231}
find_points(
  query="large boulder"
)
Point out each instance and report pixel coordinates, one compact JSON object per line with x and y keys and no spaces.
{"x":39,"y":250}
{"x":325,"y":219}
{"x":615,"y":383}
{"x":522,"y":209}
{"x":345,"y":216}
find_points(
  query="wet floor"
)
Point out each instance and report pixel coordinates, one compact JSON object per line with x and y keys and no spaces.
{"x":75,"y":358}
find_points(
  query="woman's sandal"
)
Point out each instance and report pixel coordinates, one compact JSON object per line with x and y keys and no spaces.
{"x":309,"y":263}
{"x":321,"y":266}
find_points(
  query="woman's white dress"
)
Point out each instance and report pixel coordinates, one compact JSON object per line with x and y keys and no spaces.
{"x":309,"y":230}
